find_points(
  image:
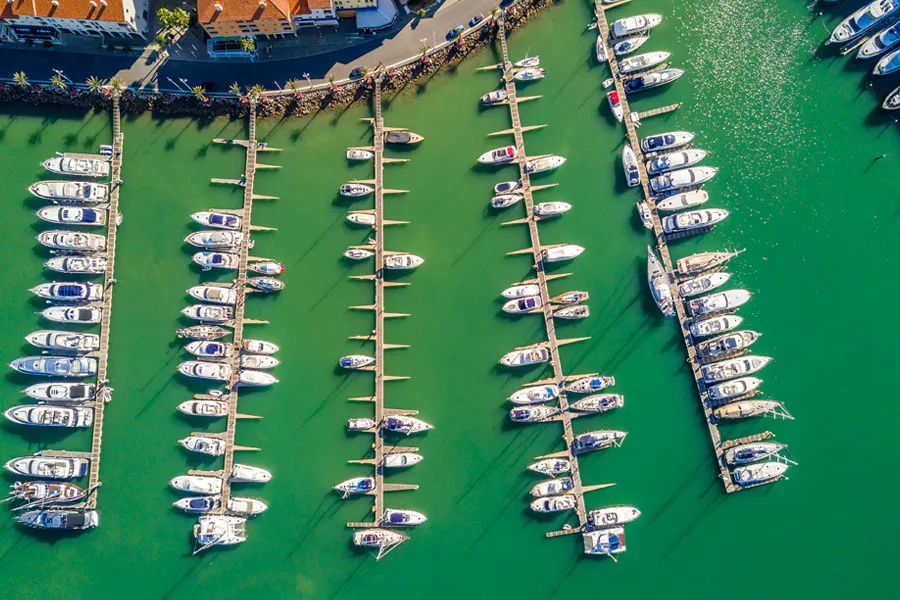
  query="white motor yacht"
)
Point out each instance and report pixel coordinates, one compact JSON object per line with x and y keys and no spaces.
{"x":204,"y":408}
{"x":615,"y":105}
{"x":880,"y":43}
{"x":499,"y":156}
{"x":205,"y":370}
{"x":402,"y":261}
{"x":535,"y":394}
{"x":734,"y":388}
{"x":505,"y":200}
{"x":660,"y":286}
{"x":355,"y":190}
{"x":77,"y":166}
{"x":209,"y":313}
{"x":72,"y":215}
{"x":521,"y":291}
{"x":694,"y":220}
{"x":494,"y":98}
{"x":356,"y":485}
{"x":532,"y":414}
{"x":202,"y":332}
{"x":547,"y":163}
{"x":551,"y":466}
{"x":599,"y":403}
{"x":68,"y":292}
{"x":552,"y":487}
{"x":525,"y":357}
{"x":590,"y":384}
{"x":249,"y":474}
{"x":216,"y":260}
{"x":197,"y":484}
{"x":529,"y":74}
{"x":50,"y":416}
{"x":728,"y":344}
{"x":66,"y":314}
{"x":359,"y":154}
{"x":77,"y":265}
{"x":356,"y":361}
{"x":554,"y":503}
{"x":678,"y":159}
{"x":681,"y":201}
{"x":73,"y":241}
{"x":259,"y":347}
{"x":363,"y":218}
{"x":666,"y":141}
{"x":70,"y":191}
{"x":360,"y":424}
{"x":56,"y":366}
{"x":629,"y":45}
{"x":396,"y":460}
{"x":646,"y":81}
{"x":203,"y":445}
{"x":358,"y":253}
{"x":61,"y":392}
{"x":215,"y":239}
{"x":406,"y":425}
{"x":682,"y":178}
{"x":251,"y":378}
{"x":735,"y":367}
{"x":393,"y":517}
{"x":702,"y":284}
{"x":887,"y":65}
{"x":640,"y":62}
{"x":60,"y":519}
{"x":258,"y":361}
{"x":267,"y":267}
{"x":718,"y":302}
{"x":65,"y":341}
{"x":213,"y":294}
{"x":47,"y":467}
{"x":519,"y":306}
{"x":561,"y":252}
{"x":402,"y":137}
{"x":630,"y":166}
{"x":580,"y":311}
{"x":636,"y":24}
{"x":505,"y":187}
{"x":759,"y":473}
{"x":218,"y":220}
{"x":715,"y":325}
{"x":863,"y":20}
{"x":612,"y":516}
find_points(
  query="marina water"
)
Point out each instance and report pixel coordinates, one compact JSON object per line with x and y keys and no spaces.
{"x":796,"y":135}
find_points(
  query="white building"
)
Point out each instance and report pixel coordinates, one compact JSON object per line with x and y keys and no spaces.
{"x":313,"y":13}
{"x":46,"y":19}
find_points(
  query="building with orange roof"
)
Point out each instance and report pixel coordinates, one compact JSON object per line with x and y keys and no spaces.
{"x":46,"y":19}
{"x":244,"y":18}
{"x":313,"y":13}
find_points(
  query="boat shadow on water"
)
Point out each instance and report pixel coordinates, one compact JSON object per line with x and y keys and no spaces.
{"x":43,"y":437}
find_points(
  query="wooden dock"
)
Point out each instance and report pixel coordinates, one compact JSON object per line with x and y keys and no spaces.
{"x":552,"y":343}
{"x":378,"y":333}
{"x":661,"y":243}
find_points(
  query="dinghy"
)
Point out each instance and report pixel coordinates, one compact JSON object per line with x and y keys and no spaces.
{"x":68,"y":292}
{"x":215,"y":240}
{"x":396,"y":460}
{"x":641,"y":62}
{"x":702,"y":284}
{"x":358,"y":253}
{"x":360,"y":424}
{"x":580,"y":311}
{"x":213,"y":294}
{"x":715,"y":325}
{"x":216,"y":260}
{"x":525,"y":357}
{"x":529,"y":74}
{"x":734,"y":388}
{"x":552,"y":487}
{"x":561,"y":253}
{"x":725,"y":345}
{"x":355,"y":190}
{"x":505,"y":187}
{"x":494,"y":98}
{"x":47,"y":492}
{"x":863,"y":20}
{"x":704,"y":261}
{"x":357,"y":485}
{"x":359,"y":154}
{"x":259,"y":347}
{"x":694,"y":220}
{"x":60,"y":519}
{"x":532,"y":414}
{"x":615,"y":105}
{"x":202,"y":444}
{"x":589,"y":385}
{"x":636,"y":24}
{"x":718,"y":302}
{"x":547,"y":163}
{"x":205,"y":370}
{"x":752,"y":452}
{"x":266,"y":284}
{"x":535,"y":394}
{"x":630,"y":166}
{"x":218,"y":220}
{"x":406,"y":425}
{"x":204,"y":408}
{"x":505,"y":200}
{"x":56,"y":366}
{"x":682,"y":201}
{"x":554,"y":503}
{"x":63,"y":314}
{"x":249,"y":474}
{"x":257,"y":361}
{"x":735,"y":367}
{"x":70,"y":191}
{"x":50,"y":416}
{"x":209,"y":313}
{"x":77,"y":166}
{"x":72,"y":215}
{"x":521,"y":291}
{"x":402,"y":262}
{"x":77,"y":265}
{"x":597,"y":440}
{"x":761,"y":473}
{"x":666,"y":141}
{"x":647,"y":81}
{"x":670,"y":161}
{"x":604,"y":542}
{"x":65,"y":341}
{"x":599,"y":403}
{"x":746,"y":409}
{"x":356,"y":361}
{"x":573,"y":297}
{"x":402,"y":137}
{"x":219,"y":530}
{"x":523,"y":305}
{"x":402,"y":518}
{"x":499,"y":156}
{"x":612,"y":516}
{"x":551,"y":466}
{"x":268,"y":267}
{"x":72,"y":241}
{"x":202,"y":332}
{"x":682,"y":178}
{"x":659,"y":283}
{"x":48,"y":468}
{"x":61,"y":393}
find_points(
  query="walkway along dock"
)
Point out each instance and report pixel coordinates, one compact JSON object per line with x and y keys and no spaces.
{"x":632,"y":119}
{"x":378,"y":336}
{"x":553,"y":343}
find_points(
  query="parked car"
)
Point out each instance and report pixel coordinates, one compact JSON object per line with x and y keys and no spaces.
{"x":454,"y":33}
{"x":357,"y":72}
{"x":476,"y":20}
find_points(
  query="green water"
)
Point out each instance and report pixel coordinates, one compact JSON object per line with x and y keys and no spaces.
{"x":795,"y":136}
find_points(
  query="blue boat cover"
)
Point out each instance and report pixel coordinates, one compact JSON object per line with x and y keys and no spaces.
{"x":73,"y":290}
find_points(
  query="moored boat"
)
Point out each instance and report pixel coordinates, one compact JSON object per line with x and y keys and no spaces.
{"x":552,"y":487}
{"x":715,"y":325}
{"x":77,"y":265}
{"x":505,"y":187}
{"x":220,"y":530}
{"x":382,"y":539}
{"x":357,"y":485}
{"x":204,"y":408}
{"x":735,"y":367}
{"x":523,"y":305}
{"x":364,"y":218}
{"x":528,"y":61}
{"x":252,"y":378}
{"x":202,"y":332}
{"x":553,"y":504}
{"x":521,"y":291}
{"x":612,"y":516}
{"x":525,"y":357}
{"x":358,"y":253}
{"x":600,"y":49}
{"x":752,"y":452}
{"x":77,"y":166}
{"x":532,"y":414}
{"x":402,"y":137}
{"x":203,"y":445}
{"x":60,"y":519}
{"x":396,"y":460}
{"x":604,"y":542}
{"x":615,"y":105}
{"x":214,"y":294}
{"x":199,"y":504}
{"x":598,"y":403}
{"x":551,"y":466}
{"x":597,"y":440}
{"x":356,"y":361}
{"x":205,"y":370}
{"x":266,"y":284}
{"x":681,"y":178}
{"x":267,"y":267}
{"x":360,"y":424}
{"x":259,"y":347}
{"x":47,"y":467}
{"x":72,"y":215}
{"x":547,"y":163}
{"x":216,"y":260}
{"x":718,"y":302}
{"x":258,"y":361}
{"x":759,"y":473}
{"x":47,"y":492}
{"x":646,"y":81}
{"x":880,"y":43}
{"x":590,"y":384}
{"x":67,"y":314}
{"x":494,"y":98}
{"x":74,"y":292}
{"x":393,"y":517}
{"x":561,"y":252}
{"x":499,"y":156}
{"x":674,"y":160}
{"x":579,"y":311}
{"x":666,"y":141}
{"x":56,"y":366}
{"x":197,"y":484}
{"x":50,"y":416}
{"x":535,"y":394}
{"x":359,"y":154}
{"x":218,"y":220}
{"x":681,"y":201}
{"x":636,"y":24}
{"x":210,"y":313}
{"x":72,"y":241}
{"x":64,"y":340}
{"x":529,"y":74}
{"x":214,"y":239}
{"x":629,"y":45}
{"x":660,"y":286}
{"x":863,"y":20}
{"x":702,"y":284}
{"x":249,"y":474}
{"x":246,"y":507}
{"x":892,"y":100}
{"x":505,"y":200}
{"x":61,"y":393}
{"x":402,"y":261}
{"x":70,"y":191}
{"x":888,"y":64}
{"x":727,"y":344}
{"x":645,"y":214}
{"x":694,"y":220}
{"x":734,"y":388}
{"x":355,"y":190}
{"x":630,"y":166}
{"x":405,"y":425}
{"x":640,"y":62}
{"x":573,"y":297}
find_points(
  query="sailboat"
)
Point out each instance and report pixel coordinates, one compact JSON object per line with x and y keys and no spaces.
{"x":660,"y":285}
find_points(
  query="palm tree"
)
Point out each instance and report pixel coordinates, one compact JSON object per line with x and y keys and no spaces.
{"x":330,"y":79}
{"x":424,"y":50}
{"x":248,"y":45}
{"x":20,"y":78}
{"x":115,"y":84}
{"x":58,"y":82}
{"x":95,"y":83}
{"x":257,"y":91}
{"x":199,"y":92}
{"x":235,"y":89}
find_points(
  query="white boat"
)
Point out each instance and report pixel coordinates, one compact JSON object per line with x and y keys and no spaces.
{"x":636,"y":24}
{"x":612,"y":516}
{"x":249,"y":474}
{"x":642,"y":61}
{"x":663,"y":163}
{"x":552,"y":487}
{"x":205,"y":370}
{"x":734,"y":388}
{"x":268,"y":267}
{"x":591,"y":384}
{"x":746,"y":408}
{"x":72,"y":241}
{"x":220,"y":530}
{"x":715,"y":325}
{"x":553,"y":503}
{"x":218,"y":220}
{"x":646,"y":215}
{"x":64,"y":340}
{"x":216,"y":260}
{"x":259,"y":347}
{"x":359,"y":154}
{"x":888,"y":64}
{"x":72,"y":215}
{"x":356,"y":190}
{"x":597,"y":440}
{"x":204,"y":408}
{"x":505,"y":187}
{"x":703,"y":261}
{"x":682,"y":178}
{"x":639,"y":83}
{"x":532,"y":414}
{"x":202,"y":332}
{"x":360,"y":424}
{"x":730,"y":343}
{"x":406,"y":425}
{"x":702,"y":284}
{"x":60,"y":519}
{"x":215,"y":240}
{"x":530,"y":74}
{"x":56,"y":366}
{"x":682,"y":201}
{"x":630,"y":166}
{"x":629,"y":45}
{"x":199,"y":504}
{"x":863,"y":20}
{"x":494,"y":98}
{"x":402,"y":262}
{"x":528,"y":61}
{"x":46,"y":492}
{"x":61,"y":393}
{"x":598,"y":403}
{"x":402,"y":137}
{"x":79,"y":166}
{"x":356,"y":361}
{"x":523,"y":305}
{"x":203,"y":445}
{"x":197,"y":484}
{"x":357,"y":485}
{"x":48,"y":468}
{"x":660,"y":286}
{"x":382,"y":539}
{"x":246,"y":507}
{"x":393,"y":517}
{"x":604,"y":542}
{"x":70,"y":191}
{"x":735,"y":367}
{"x":551,"y":466}
{"x":396,"y":460}
{"x":50,"y":416}
{"x":880,"y":43}
{"x":535,"y":394}
{"x":521,"y":291}
{"x":78,"y":265}
{"x":694,"y":220}
{"x":266,"y":284}
{"x":761,"y":473}
{"x":572,"y":297}
{"x":499,"y":156}
{"x":600,"y":49}
{"x":66,"y":314}
{"x":615,"y":104}
{"x":506,"y":200}
{"x":666,"y":141}
{"x":561,"y":253}
{"x":258,"y":361}
{"x":525,"y":357}
{"x":209,"y":313}
{"x":547,"y":163}
{"x":252,"y":378}
{"x":720,"y":301}
{"x":752,"y":452}
{"x":580,"y":311}
{"x":366,"y":219}
{"x":75,"y":292}
{"x":358,"y":253}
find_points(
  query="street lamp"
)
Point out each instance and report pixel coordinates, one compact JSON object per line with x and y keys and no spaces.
{"x":62,"y":75}
{"x":175,"y":84}
{"x":184,"y":81}
{"x":308,"y":80}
